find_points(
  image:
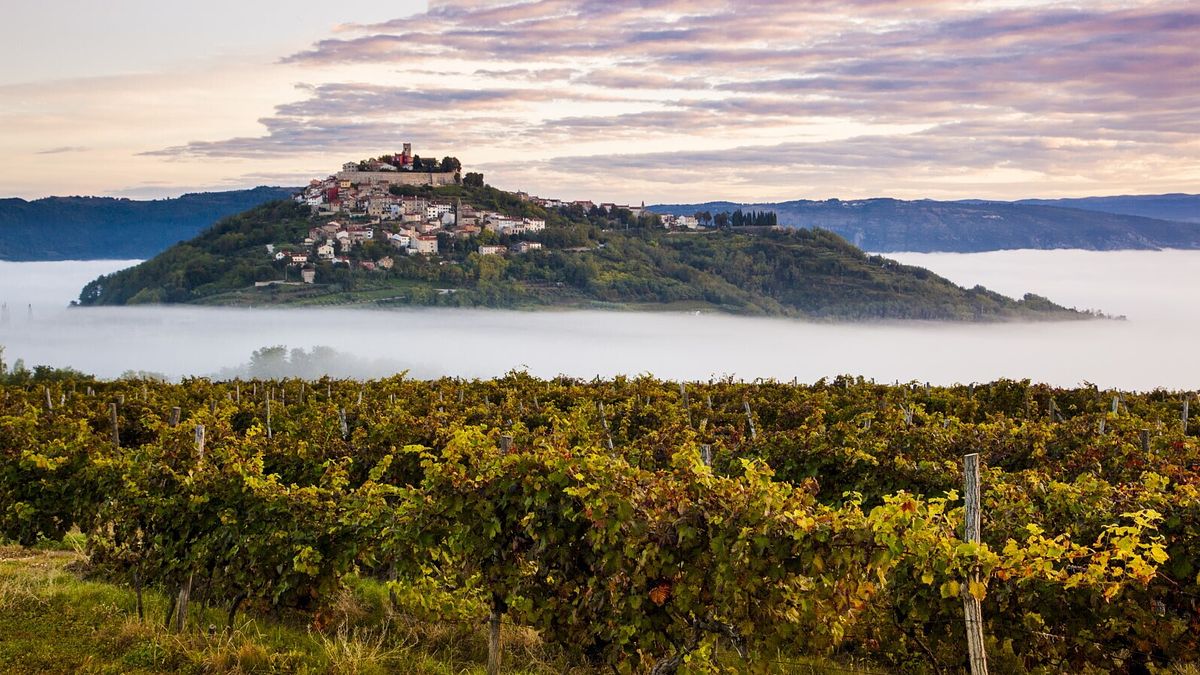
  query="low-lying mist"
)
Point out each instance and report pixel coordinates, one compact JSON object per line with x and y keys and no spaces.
{"x":1156,"y":290}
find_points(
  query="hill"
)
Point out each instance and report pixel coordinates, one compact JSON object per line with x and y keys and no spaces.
{"x":886,"y":225}
{"x":1180,"y":207}
{"x":588,"y":259}
{"x":97,"y":228}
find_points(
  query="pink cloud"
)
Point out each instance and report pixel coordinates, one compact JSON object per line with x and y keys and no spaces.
{"x":1025,"y":80}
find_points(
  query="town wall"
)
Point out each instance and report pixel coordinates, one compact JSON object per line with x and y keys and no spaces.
{"x":397,"y":178}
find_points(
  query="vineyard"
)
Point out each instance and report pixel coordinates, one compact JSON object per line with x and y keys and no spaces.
{"x":637,"y":524}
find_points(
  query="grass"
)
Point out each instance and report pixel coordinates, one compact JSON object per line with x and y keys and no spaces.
{"x":55,"y":620}
{"x":52,"y":620}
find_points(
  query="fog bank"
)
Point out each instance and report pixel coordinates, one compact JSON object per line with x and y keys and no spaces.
{"x":1143,"y":285}
{"x":1153,"y":348}
{"x":50,"y":285}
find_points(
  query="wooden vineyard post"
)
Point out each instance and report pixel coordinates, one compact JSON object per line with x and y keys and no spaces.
{"x":493,"y":664}
{"x":506,"y":442}
{"x":1116,"y":404}
{"x":200,"y":442}
{"x":116,"y":431}
{"x":175,"y":413}
{"x":1144,"y":436}
{"x":49,"y":403}
{"x":268,"y":416}
{"x":185,"y":591}
{"x":181,"y":605}
{"x":706,"y":454}
{"x":971,"y":606}
{"x":686,"y":407}
{"x":604,"y":421}
{"x":343,"y":425}
{"x":1184,"y":416}
{"x":750,"y":420}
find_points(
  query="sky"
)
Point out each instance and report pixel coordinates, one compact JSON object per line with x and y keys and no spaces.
{"x":655,"y":100}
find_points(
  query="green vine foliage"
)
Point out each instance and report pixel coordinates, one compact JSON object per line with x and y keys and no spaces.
{"x":639,"y":524}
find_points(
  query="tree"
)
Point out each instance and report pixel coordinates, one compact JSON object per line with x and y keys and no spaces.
{"x":450,"y":164}
{"x":721,"y":219}
{"x":473,"y":179}
{"x":269,"y":362}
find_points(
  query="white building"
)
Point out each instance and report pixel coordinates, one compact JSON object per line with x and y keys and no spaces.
{"x":436,"y":211}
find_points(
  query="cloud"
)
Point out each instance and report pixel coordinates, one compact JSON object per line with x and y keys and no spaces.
{"x":1074,"y":94}
{"x":62,"y":150}
{"x":945,"y":161}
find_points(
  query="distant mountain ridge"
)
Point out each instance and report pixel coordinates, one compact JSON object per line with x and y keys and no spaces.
{"x":95,"y":228}
{"x":889,"y":225}
{"x":1181,"y":207}
{"x":92,"y":228}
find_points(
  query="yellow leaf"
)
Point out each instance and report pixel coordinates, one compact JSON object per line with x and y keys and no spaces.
{"x":977,"y":589}
{"x":1158,"y":554}
{"x":950,"y":589}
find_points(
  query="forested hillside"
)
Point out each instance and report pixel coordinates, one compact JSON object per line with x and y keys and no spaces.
{"x":888,"y":225}
{"x":99,"y":228}
{"x":588,"y":261}
{"x":1181,"y":207}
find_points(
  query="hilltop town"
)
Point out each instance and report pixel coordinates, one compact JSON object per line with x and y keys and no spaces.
{"x":406,"y":205}
{"x":399,"y":230}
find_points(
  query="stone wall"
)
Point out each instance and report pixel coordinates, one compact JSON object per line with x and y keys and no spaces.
{"x":397,"y":178}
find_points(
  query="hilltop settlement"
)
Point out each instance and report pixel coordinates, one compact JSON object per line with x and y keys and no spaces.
{"x":398,"y":230}
{"x":393,"y":199}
